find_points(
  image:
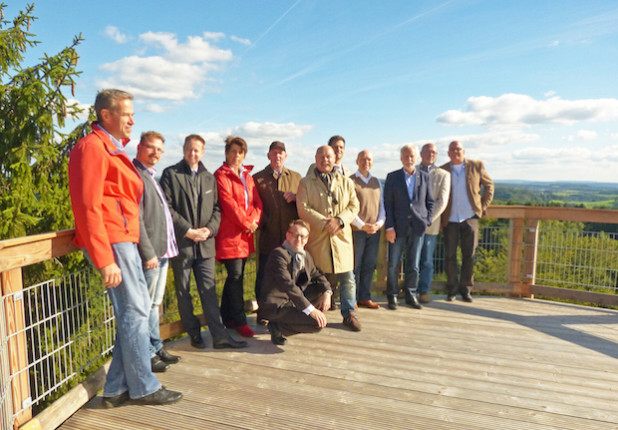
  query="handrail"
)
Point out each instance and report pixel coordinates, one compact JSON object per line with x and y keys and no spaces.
{"x":20,"y":252}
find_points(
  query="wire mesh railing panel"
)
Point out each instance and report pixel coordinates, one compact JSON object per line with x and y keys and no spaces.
{"x":6,"y":399}
{"x":68,"y":328}
{"x":578,"y":259}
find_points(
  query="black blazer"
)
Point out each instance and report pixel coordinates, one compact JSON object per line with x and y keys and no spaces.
{"x":187,"y":212}
{"x":152,"y":222}
{"x":284,"y":287}
{"x":400,"y":211}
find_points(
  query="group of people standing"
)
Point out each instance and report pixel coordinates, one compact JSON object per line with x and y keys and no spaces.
{"x":317,"y":234}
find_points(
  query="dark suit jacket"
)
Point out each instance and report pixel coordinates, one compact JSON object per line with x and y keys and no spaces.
{"x":476,"y":176}
{"x":187,"y":213}
{"x":277,"y":213}
{"x":283,"y":286}
{"x":152,"y":222}
{"x":400,"y":211}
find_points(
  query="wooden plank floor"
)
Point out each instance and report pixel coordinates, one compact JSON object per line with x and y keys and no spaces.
{"x":497,"y":363}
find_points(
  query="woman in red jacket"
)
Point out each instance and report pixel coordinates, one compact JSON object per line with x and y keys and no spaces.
{"x":241,"y":209}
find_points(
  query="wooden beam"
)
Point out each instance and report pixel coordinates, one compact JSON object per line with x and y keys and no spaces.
{"x":24,"y":251}
{"x":575,"y":295}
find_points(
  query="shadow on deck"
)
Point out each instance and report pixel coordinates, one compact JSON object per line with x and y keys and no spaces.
{"x":497,"y":363}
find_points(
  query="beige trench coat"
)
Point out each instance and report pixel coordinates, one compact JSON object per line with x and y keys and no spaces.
{"x":331,"y":254}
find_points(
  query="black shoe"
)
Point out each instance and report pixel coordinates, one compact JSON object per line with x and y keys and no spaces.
{"x":276,"y":336}
{"x":466,"y":298}
{"x":162,"y":396}
{"x":230,"y":342}
{"x":412,"y":301}
{"x":450,"y":298}
{"x":198,"y":342}
{"x":114,"y":401}
{"x":157,"y":365}
{"x":392,"y":302}
{"x":168,"y":358}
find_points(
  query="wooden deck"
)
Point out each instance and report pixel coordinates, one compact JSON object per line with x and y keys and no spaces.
{"x":497,"y":363}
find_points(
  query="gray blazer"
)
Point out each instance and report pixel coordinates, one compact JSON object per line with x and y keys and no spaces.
{"x":187,"y":212}
{"x":152,"y":223}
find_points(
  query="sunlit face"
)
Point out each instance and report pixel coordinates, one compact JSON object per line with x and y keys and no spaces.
{"x":297,"y":236}
{"x":235,"y":156}
{"x":408,"y":159}
{"x":149,"y":152}
{"x":339,"y":148}
{"x":193,"y":152}
{"x":325,"y":159}
{"x":118,"y":121}
{"x":277,"y":157}
{"x":456,"y":152}
{"x":429,"y":154}
{"x":364,"y":161}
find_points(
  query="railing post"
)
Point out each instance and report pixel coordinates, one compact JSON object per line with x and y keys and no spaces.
{"x":530,"y":251}
{"x":516,"y":236}
{"x":12,"y":291}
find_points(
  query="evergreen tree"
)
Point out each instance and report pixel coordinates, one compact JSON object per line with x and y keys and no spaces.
{"x":34,"y":194}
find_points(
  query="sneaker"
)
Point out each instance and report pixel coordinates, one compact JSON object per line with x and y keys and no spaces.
{"x":351,"y":322}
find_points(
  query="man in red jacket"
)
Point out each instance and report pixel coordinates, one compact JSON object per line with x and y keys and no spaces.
{"x":105,"y":192}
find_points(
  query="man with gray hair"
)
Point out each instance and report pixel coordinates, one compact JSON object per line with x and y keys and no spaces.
{"x":460,"y":220}
{"x":440,"y":181}
{"x":409,"y":207}
{"x":106,"y":189}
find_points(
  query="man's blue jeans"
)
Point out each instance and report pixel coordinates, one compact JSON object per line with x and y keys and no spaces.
{"x":347,"y":292}
{"x":411,"y":244}
{"x":365,"y":254}
{"x":156,"y":280}
{"x":426,"y":269}
{"x":130,"y":367}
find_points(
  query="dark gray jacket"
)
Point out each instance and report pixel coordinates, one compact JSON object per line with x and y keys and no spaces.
{"x":187,"y":212}
{"x":152,"y":223}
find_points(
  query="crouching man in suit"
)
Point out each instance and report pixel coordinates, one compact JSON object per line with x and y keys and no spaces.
{"x":295,"y":294}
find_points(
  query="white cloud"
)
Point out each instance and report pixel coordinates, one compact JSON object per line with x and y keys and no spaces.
{"x":154,"y":107}
{"x":241,"y":40}
{"x":213,"y":35}
{"x":85,"y":109}
{"x":177,"y":73}
{"x":523,"y":110}
{"x":583,"y":135}
{"x":614,"y":136}
{"x":115,"y":34}
{"x":554,"y":44}
{"x":550,"y":93}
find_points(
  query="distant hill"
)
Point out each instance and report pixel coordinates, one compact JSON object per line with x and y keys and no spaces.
{"x":599,"y":195}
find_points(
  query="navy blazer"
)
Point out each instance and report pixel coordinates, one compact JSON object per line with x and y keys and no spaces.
{"x":400,"y":211}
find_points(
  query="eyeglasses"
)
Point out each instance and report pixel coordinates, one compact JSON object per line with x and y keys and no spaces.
{"x":299,"y":236}
{"x":154,"y":148}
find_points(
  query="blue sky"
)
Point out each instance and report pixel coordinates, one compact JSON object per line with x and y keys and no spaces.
{"x":529,"y":87}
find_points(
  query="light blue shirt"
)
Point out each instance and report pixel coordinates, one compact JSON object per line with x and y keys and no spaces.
{"x":461,"y":209}
{"x":410,"y":182}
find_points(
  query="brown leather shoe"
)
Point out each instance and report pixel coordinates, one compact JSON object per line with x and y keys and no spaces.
{"x":368,"y":304}
{"x":351,"y":322}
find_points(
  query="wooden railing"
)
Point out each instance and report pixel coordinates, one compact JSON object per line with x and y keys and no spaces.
{"x":523,"y":243}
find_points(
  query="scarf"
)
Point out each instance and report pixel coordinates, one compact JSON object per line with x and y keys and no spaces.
{"x":298,"y":257}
